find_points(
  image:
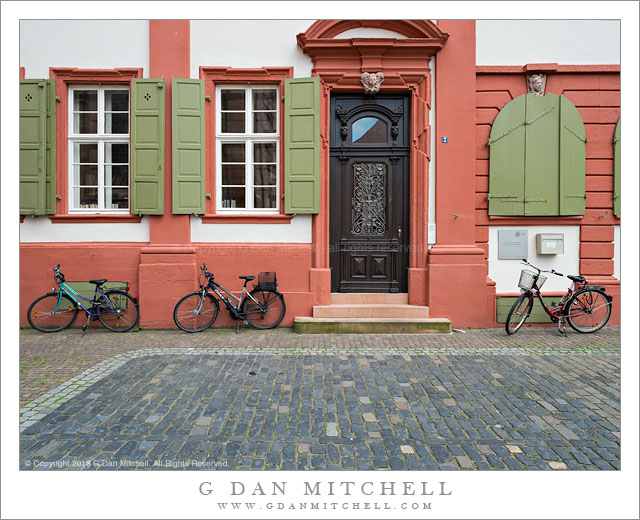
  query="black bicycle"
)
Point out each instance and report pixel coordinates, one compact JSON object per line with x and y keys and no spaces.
{"x":116,"y":309}
{"x":262,"y":308}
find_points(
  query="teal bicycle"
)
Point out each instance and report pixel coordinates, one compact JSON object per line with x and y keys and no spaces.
{"x":116,"y":309}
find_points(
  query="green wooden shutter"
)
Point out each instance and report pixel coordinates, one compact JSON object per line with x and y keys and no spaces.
{"x":506,"y":165}
{"x":542,"y":145}
{"x":50,"y":191}
{"x":187,"y":127}
{"x":147,"y":146}
{"x":573,"y":141}
{"x":616,"y":169}
{"x":537,"y":160}
{"x":33,"y":146}
{"x":302,"y":145}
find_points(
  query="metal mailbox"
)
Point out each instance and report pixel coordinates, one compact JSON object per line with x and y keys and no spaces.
{"x":550,"y":243}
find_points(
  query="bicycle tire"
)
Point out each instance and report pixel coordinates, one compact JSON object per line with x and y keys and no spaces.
{"x":40,"y":313}
{"x":588,"y":310}
{"x":269,"y":313}
{"x":184,"y":312}
{"x":121,"y":314}
{"x":518,"y":313}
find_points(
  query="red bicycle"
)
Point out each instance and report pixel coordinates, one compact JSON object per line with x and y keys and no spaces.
{"x":586,"y":308}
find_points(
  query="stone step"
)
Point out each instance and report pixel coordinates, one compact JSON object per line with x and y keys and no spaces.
{"x":369,"y":298}
{"x":370,"y":310}
{"x":306,"y":325}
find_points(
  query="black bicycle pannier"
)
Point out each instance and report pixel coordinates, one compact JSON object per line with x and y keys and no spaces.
{"x":267,"y":281}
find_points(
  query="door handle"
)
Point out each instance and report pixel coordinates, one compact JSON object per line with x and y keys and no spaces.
{"x":399,"y":232}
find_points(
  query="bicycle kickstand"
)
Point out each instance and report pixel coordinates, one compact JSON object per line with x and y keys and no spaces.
{"x":561,"y":329}
{"x":84,"y":329}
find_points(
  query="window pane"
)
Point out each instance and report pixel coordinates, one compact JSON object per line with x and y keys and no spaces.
{"x":233,"y":197}
{"x":116,"y":153}
{"x":117,"y":100}
{"x":85,"y":175}
{"x":116,"y":175}
{"x":264,"y":152}
{"x":116,"y":198}
{"x":369,"y":130}
{"x":85,"y":123}
{"x":264,"y":198}
{"x":233,"y":122}
{"x":233,"y":174}
{"x":85,"y":100}
{"x":232,"y":100}
{"x":264,"y":122}
{"x":264,"y":174}
{"x":233,"y":152}
{"x":88,"y":197}
{"x":85,"y":152}
{"x":116,"y":123}
{"x":264,"y":99}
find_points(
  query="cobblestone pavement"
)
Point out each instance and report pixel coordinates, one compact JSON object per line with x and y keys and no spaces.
{"x":278,"y":400}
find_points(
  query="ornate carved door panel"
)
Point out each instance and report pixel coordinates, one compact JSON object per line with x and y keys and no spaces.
{"x":369,"y":193}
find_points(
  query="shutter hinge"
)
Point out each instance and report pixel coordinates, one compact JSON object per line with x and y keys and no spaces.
{"x":207,"y":97}
{"x":579,"y":196}
{"x":208,"y":195}
{"x":160,"y":85}
{"x":283,"y":196}
{"x":58,"y":197}
{"x":489,"y":197}
{"x":526,"y":201}
{"x":282,"y":98}
{"x":58,"y":99}
{"x":583,"y":139}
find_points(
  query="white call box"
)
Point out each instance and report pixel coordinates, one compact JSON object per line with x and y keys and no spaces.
{"x":550,"y":243}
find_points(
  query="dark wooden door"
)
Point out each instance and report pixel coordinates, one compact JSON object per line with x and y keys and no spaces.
{"x":369,"y":190}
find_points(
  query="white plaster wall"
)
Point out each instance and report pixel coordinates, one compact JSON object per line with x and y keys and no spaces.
{"x":506,"y":273}
{"x":368,"y":32}
{"x":87,"y":44}
{"x":566,"y":42}
{"x":248,"y":44}
{"x":41,"y":229}
{"x":616,"y":252}
{"x":298,"y":231}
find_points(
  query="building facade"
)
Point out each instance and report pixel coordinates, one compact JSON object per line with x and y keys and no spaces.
{"x":410,"y":157}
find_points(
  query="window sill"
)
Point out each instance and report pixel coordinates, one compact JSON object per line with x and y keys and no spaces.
{"x":95,"y":219}
{"x":246,"y":219}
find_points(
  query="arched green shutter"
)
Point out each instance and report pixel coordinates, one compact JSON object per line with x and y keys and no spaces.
{"x":187,"y":128}
{"x":573,"y":141}
{"x":147,"y":146}
{"x":616,"y":169}
{"x":506,"y":165}
{"x":37,"y":146}
{"x":537,"y":160}
{"x":302,"y":145}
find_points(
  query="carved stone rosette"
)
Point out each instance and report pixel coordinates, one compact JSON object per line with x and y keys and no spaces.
{"x":371,"y":82}
{"x":536,"y":83}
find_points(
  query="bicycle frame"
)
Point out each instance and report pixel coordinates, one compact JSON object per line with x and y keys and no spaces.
{"x":234,"y":309}
{"x":555,"y":313}
{"x":96,"y":305}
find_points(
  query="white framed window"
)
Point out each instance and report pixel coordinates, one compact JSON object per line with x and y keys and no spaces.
{"x":247,"y":149}
{"x":99,"y":149}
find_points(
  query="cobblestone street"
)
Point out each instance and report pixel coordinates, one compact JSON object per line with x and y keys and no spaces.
{"x":477,"y":399}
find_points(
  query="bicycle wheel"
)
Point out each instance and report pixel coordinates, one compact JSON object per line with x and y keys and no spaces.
{"x":195,"y":314}
{"x":268,"y":312}
{"x":588,"y":310}
{"x":42,"y":317}
{"x":120,"y":313}
{"x":519,"y":313}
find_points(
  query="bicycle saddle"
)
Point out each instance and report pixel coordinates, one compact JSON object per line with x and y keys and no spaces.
{"x":577,"y":279}
{"x":98,"y":282}
{"x":247,"y":278}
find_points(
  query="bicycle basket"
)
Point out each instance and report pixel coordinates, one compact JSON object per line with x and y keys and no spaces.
{"x":527,"y":279}
{"x":267,"y":281}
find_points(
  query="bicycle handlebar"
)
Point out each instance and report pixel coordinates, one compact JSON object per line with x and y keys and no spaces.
{"x":204,"y":270}
{"x":553,"y":271}
{"x":58,"y":275}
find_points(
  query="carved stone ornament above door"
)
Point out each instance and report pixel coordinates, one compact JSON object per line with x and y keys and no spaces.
{"x":371,"y":82}
{"x":536,"y":83}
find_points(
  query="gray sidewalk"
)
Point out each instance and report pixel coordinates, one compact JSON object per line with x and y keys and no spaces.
{"x":477,"y":399}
